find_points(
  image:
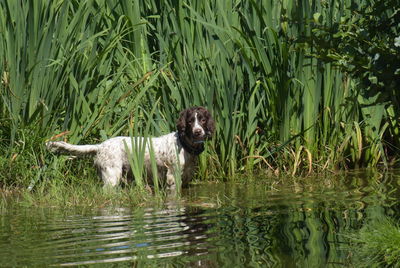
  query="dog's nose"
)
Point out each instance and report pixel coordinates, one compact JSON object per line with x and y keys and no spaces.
{"x":197,"y":132}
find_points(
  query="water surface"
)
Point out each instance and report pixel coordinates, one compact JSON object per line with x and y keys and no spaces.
{"x":261,"y":223}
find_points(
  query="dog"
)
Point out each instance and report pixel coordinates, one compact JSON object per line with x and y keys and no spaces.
{"x":174,"y":152}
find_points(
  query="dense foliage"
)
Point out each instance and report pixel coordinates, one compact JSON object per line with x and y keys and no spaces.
{"x":89,"y":70}
{"x":366,"y":45}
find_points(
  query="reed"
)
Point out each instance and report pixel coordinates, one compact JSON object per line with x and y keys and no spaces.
{"x":141,"y":144}
{"x":86,"y":66}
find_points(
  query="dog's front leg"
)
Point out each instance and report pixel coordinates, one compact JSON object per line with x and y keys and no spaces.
{"x":110,"y":175}
{"x":171,"y":185}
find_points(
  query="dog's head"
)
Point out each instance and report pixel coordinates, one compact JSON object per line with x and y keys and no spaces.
{"x":196,"y":123}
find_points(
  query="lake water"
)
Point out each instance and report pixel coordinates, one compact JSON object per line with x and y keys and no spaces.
{"x":261,"y":223}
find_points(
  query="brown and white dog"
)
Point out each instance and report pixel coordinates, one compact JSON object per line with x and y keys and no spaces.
{"x":173,"y":152}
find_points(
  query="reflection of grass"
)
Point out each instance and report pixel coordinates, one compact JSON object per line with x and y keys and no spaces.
{"x":378,"y":244}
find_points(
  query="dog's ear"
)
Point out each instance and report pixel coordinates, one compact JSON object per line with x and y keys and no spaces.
{"x":181,"y":122}
{"x":210,"y":123}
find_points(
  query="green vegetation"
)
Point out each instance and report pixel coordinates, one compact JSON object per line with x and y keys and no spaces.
{"x":367,"y":46}
{"x":377,"y":244}
{"x":77,"y":194}
{"x":85,"y":71}
{"x":295,"y":86}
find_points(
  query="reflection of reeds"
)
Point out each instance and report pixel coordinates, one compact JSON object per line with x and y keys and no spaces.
{"x":85,"y":66}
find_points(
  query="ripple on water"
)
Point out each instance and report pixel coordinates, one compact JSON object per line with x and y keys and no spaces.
{"x":217,"y":225}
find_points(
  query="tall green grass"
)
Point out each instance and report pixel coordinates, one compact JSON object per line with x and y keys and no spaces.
{"x":86,"y":66}
{"x":377,"y":243}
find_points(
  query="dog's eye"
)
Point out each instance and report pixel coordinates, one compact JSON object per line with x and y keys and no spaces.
{"x":203,"y":121}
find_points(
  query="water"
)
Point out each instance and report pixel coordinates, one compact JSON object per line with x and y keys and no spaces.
{"x":262,"y":223}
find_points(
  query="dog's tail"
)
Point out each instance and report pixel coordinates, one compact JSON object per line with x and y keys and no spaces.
{"x":77,"y":150}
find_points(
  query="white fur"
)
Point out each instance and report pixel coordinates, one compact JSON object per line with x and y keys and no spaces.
{"x":171,"y":156}
{"x":197,"y":126}
{"x":112,"y":160}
